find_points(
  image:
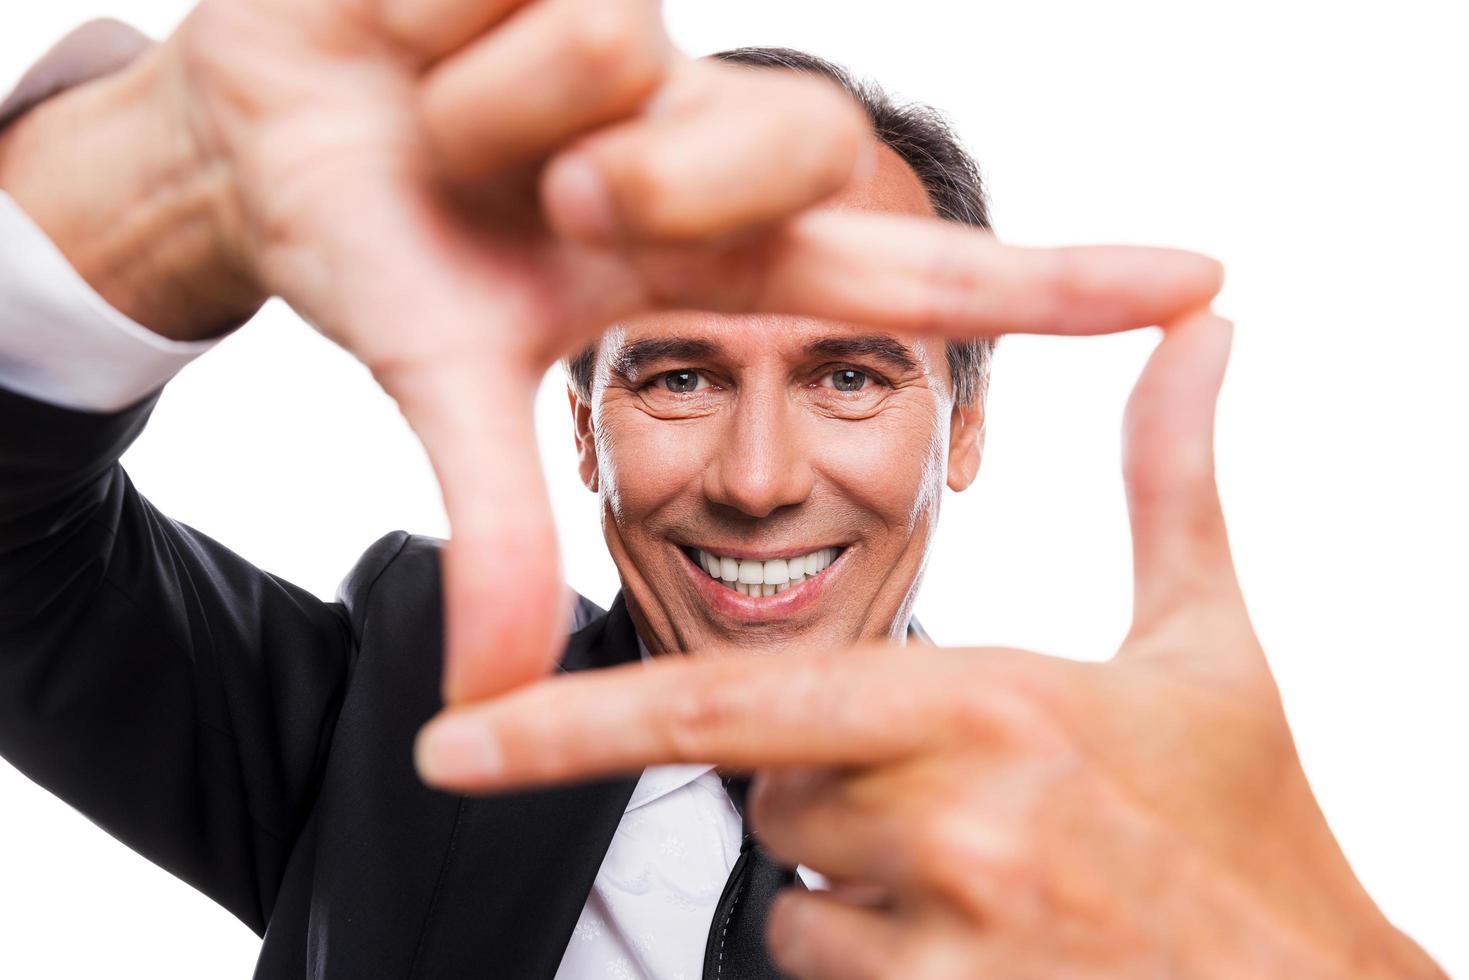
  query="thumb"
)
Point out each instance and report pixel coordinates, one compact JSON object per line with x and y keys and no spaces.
{"x":1181,"y":558}
{"x":505,"y":608}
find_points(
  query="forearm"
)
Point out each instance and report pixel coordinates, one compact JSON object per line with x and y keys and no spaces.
{"x":110,"y":172}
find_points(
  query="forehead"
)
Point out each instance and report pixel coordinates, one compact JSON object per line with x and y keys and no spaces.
{"x":886,"y":184}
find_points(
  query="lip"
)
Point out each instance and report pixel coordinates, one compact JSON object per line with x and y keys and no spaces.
{"x":731,"y":604}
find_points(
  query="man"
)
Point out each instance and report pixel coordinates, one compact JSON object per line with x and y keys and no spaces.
{"x":255,"y":741}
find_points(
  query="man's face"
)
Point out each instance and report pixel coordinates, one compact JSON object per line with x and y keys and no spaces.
{"x":767,"y":480}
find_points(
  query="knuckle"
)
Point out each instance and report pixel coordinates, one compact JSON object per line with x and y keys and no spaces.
{"x":833,"y":130}
{"x":1011,"y":708}
{"x":949,"y":284}
{"x":402,"y":21}
{"x":965,"y":857}
{"x":766,"y":803}
{"x":939,"y":845}
{"x":885,"y":959}
{"x":785,"y":814}
{"x":697,"y":718}
{"x":620,"y":44}
{"x":973,"y":713}
{"x":928,"y":958}
{"x":1061,"y":291}
{"x":648,"y":184}
{"x":848,"y":126}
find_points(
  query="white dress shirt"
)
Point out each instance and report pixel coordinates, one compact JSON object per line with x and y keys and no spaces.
{"x":648,"y":914}
{"x":649,"y":910}
{"x":62,"y":343}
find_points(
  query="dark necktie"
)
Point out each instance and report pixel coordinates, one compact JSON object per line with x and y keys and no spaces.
{"x":736,"y":946}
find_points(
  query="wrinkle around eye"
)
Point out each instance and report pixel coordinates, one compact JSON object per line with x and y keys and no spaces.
{"x":663,"y":403}
{"x":853,"y":405}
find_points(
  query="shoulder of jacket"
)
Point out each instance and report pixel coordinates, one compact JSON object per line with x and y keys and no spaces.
{"x":395,"y":550}
{"x":415,"y":557}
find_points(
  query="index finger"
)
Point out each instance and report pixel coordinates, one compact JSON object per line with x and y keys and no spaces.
{"x":927,"y":275}
{"x":744,"y":711}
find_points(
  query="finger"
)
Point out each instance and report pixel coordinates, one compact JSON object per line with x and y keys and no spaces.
{"x":826,"y":820}
{"x":557,"y":69}
{"x":861,"y":894}
{"x":726,"y":151}
{"x":1180,"y":549}
{"x":899,"y":827}
{"x":434,"y":28}
{"x":505,"y":607}
{"x":814,"y":936}
{"x":924,"y":275}
{"x":738,"y":711}
{"x":439,"y":331}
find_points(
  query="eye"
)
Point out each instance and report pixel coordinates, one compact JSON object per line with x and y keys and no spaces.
{"x":682,"y":382}
{"x":848,"y":379}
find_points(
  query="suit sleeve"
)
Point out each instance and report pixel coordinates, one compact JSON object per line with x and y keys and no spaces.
{"x":176,"y":695}
{"x":63,"y":343}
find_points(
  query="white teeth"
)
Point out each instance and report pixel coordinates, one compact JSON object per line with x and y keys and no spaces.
{"x":765,"y":578}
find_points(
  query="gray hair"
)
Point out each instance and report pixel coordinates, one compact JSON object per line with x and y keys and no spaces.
{"x":926,"y":142}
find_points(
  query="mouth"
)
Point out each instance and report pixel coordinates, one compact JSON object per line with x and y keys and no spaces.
{"x":765,"y":578}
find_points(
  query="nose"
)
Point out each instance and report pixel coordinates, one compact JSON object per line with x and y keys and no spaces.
{"x":762,"y":463}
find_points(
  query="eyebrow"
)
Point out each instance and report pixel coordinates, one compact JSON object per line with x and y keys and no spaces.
{"x":884,"y":348}
{"x":630,"y":359}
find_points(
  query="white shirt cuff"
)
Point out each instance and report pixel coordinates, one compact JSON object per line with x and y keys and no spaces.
{"x":60,"y":341}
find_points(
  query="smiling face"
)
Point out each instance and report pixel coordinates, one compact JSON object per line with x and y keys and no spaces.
{"x":769,"y":480}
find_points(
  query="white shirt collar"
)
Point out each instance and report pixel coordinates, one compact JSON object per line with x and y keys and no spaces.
{"x":659,"y":781}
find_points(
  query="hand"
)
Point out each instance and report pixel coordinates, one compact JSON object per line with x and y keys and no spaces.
{"x":461,"y":191}
{"x":998,"y":813}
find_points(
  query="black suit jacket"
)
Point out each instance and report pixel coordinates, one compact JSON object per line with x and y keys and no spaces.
{"x":256,"y":741}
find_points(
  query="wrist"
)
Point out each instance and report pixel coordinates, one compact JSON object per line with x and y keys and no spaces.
{"x":111,"y":171}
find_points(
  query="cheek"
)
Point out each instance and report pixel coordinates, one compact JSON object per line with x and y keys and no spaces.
{"x":891,"y":464}
{"x":645,"y":462}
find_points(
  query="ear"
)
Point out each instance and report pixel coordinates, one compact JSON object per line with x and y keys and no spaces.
{"x":966,"y":443}
{"x":586,"y":441}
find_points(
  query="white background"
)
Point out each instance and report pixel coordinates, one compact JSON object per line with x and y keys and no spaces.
{"x":1313,"y":146}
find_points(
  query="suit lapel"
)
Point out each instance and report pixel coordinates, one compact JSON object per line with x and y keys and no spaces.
{"x":521,"y":865}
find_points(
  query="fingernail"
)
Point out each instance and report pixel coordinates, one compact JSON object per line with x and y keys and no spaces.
{"x":577,"y":201}
{"x":456,"y":751}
